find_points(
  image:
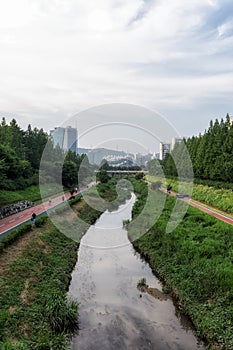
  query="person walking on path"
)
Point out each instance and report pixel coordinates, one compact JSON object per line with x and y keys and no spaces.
{"x":33,"y":218}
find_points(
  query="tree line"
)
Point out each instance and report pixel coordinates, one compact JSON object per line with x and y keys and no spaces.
{"x":20,"y":158}
{"x":211,"y":154}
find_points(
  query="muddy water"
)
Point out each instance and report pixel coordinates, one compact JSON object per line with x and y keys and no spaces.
{"x":114,"y":314}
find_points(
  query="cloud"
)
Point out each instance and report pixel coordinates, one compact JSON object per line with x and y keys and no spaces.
{"x":226,"y":29}
{"x":58,"y":56}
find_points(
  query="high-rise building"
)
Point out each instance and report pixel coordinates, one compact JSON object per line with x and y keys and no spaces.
{"x":70,"y":139}
{"x":66,"y":138}
{"x":58,"y":136}
{"x":164,"y":149}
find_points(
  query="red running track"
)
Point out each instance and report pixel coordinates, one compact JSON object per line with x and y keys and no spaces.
{"x":212,"y":212}
{"x":19,"y":218}
{"x":203,"y":208}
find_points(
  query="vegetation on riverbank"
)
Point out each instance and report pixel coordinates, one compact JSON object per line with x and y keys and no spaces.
{"x":195,"y":261}
{"x":35,"y":274}
{"x":33,"y":288}
{"x":31,"y":193}
{"x":219,"y":198}
{"x":211,"y":153}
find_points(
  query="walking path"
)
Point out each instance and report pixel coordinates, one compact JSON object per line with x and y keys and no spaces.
{"x":15,"y":220}
{"x":203,"y":208}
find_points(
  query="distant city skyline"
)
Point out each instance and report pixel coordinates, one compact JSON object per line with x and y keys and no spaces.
{"x":66,"y":138}
{"x":61,"y":57}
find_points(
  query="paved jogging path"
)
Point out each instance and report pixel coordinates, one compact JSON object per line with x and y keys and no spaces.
{"x":13,"y":221}
{"x":203,"y":208}
{"x":210,"y":211}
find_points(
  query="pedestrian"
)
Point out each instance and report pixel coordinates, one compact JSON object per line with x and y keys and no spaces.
{"x":50,"y":201}
{"x":63,"y":198}
{"x":33,"y":217}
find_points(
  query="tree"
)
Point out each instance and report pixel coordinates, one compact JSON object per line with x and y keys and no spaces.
{"x":104,"y":165}
{"x":69,"y":174}
{"x":139,"y":176}
{"x":102,"y":176}
{"x":154,"y":167}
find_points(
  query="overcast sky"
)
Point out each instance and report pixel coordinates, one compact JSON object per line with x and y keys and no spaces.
{"x":59,"y":57}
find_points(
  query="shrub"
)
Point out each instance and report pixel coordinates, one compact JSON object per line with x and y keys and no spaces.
{"x":41,"y":221}
{"x":126,"y":222}
{"x":62,"y":314}
{"x":139,"y":176}
{"x":142,"y":283}
{"x":14,"y":236}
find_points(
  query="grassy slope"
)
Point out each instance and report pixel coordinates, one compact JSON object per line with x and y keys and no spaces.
{"x":221,"y":199}
{"x":195,"y":260}
{"x":31,"y":193}
{"x":42,"y":268}
{"x":34,"y":271}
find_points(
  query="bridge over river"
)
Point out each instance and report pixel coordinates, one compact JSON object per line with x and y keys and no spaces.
{"x":124,"y":172}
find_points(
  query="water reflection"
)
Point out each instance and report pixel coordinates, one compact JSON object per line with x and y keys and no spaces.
{"x":112,"y":313}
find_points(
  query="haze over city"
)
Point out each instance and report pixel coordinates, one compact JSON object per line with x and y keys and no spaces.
{"x":61,"y":57}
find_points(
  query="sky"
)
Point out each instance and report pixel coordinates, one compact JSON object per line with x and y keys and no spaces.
{"x":60,"y":57}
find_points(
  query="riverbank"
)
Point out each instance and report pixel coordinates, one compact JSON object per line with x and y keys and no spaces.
{"x":114,"y":313}
{"x":35,"y":275}
{"x":195,"y":261}
{"x":216,"y":197}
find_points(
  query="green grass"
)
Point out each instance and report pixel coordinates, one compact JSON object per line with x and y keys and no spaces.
{"x":15,"y":235}
{"x":31,"y":193}
{"x":195,"y":261}
{"x":219,"y":198}
{"x":35,"y":313}
{"x":28,"y":316}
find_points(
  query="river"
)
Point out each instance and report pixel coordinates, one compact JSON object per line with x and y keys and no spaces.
{"x":114,"y":314}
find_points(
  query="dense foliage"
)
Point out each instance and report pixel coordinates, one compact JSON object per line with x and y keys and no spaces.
{"x":221,"y":198}
{"x":211,"y":153}
{"x":20,"y":153}
{"x":210,"y":193}
{"x":20,"y":159}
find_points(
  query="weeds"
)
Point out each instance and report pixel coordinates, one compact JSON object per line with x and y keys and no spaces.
{"x":62,"y":314}
{"x":142,"y":283}
{"x":195,"y":261}
{"x":35,"y":312}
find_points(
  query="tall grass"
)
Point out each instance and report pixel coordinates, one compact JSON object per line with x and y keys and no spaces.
{"x":195,"y":261}
{"x":219,"y":198}
{"x":35,"y":312}
{"x":62,"y":314}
